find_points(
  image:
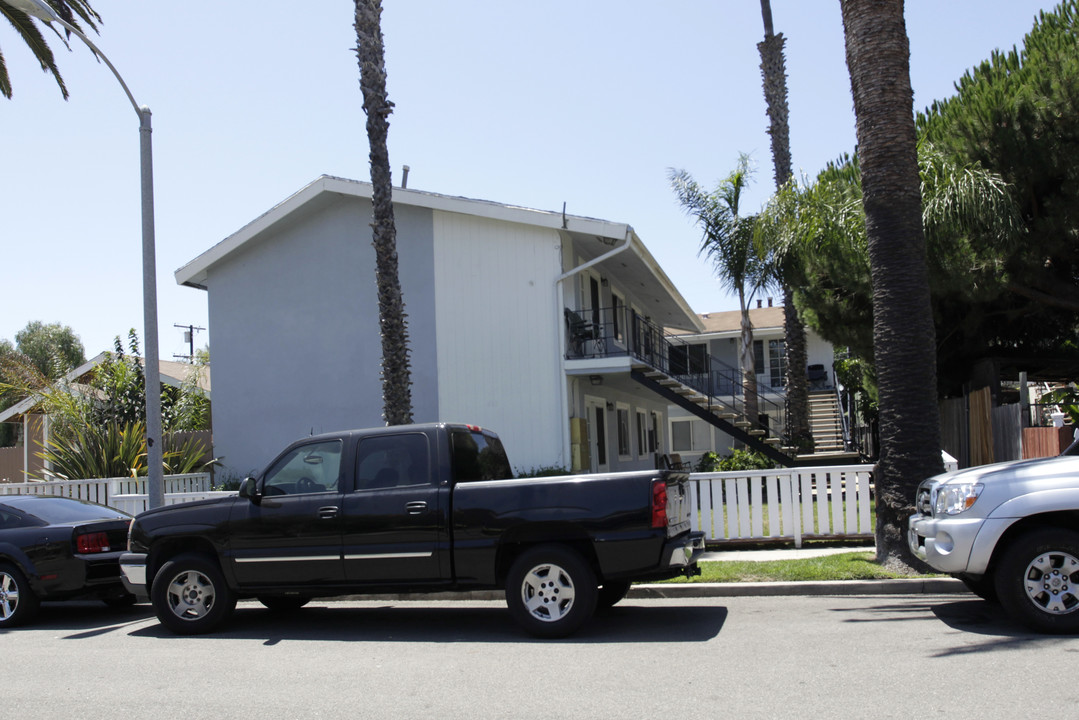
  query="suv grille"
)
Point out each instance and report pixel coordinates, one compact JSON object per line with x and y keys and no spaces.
{"x":924,"y":503}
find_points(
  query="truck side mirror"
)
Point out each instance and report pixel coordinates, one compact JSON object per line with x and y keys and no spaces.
{"x":249,"y":489}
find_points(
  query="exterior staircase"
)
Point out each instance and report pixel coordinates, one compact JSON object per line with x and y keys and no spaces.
{"x":714,"y":411}
{"x":825,"y":424}
{"x":826,"y":427}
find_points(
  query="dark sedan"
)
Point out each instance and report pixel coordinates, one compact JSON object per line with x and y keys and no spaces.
{"x":57,"y":548}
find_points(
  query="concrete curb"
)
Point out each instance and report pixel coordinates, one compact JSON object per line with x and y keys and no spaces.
{"x":914,"y":586}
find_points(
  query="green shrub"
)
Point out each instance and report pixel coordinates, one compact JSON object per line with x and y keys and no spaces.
{"x":545,"y":471}
{"x":738,"y":460}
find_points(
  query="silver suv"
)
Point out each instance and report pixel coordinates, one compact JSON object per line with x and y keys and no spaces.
{"x":1010,"y":531}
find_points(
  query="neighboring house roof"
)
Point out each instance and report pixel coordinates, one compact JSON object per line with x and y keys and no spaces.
{"x":730,"y":321}
{"x":592,"y":239}
{"x":172,"y":373}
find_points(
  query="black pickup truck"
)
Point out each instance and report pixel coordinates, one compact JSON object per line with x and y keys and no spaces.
{"x":417,"y":508}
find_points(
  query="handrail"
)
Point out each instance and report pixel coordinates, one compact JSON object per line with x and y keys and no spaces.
{"x":847,"y":441}
{"x":621,"y":331}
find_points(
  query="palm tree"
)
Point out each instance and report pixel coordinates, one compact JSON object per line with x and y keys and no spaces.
{"x":396,"y":375}
{"x":729,"y":243}
{"x":774,"y":76}
{"x":28,"y":30}
{"x":904,"y":341}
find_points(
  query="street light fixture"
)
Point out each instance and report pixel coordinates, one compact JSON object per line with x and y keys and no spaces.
{"x":154,"y":449}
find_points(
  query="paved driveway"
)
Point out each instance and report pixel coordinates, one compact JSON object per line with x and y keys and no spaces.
{"x":899,"y":656}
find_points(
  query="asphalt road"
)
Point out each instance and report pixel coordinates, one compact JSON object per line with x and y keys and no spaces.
{"x":897,"y":656}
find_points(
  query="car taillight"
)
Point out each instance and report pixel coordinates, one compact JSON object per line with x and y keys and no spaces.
{"x":659,"y":504}
{"x":97,"y":542}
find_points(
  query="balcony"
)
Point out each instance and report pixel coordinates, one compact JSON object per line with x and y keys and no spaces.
{"x":699,"y":382}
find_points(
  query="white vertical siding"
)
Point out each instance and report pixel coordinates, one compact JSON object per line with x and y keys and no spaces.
{"x":498,"y":326}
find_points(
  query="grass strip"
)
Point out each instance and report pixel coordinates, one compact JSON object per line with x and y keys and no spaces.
{"x":844,"y":566}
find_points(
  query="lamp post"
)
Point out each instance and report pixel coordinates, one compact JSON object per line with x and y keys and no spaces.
{"x":154,"y":459}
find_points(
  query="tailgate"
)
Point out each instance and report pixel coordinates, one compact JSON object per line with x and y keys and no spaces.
{"x":678,"y":504}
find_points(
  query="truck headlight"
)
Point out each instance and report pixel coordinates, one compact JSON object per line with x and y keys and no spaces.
{"x":954,"y":499}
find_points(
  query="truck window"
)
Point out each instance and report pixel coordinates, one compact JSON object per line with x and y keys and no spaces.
{"x":306,"y":469}
{"x":478,"y":456}
{"x":386,"y":461}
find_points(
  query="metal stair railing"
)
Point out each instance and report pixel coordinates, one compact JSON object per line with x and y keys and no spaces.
{"x":620,"y":331}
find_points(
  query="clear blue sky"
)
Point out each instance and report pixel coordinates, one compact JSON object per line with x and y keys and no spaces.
{"x":532,"y":104}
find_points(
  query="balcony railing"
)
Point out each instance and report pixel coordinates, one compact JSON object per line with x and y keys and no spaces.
{"x":620,"y":331}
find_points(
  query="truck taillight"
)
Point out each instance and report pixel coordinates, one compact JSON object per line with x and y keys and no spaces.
{"x":97,"y":542}
{"x":659,"y":504}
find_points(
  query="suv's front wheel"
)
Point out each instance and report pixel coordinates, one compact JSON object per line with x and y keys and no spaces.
{"x":1037,"y":580}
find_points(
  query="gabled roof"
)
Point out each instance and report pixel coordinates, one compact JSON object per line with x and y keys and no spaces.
{"x":730,"y":321}
{"x":592,"y":237}
{"x":172,"y":373}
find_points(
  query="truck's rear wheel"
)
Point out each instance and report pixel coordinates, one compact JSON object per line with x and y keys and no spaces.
{"x":190,"y":595}
{"x":551,"y":591}
{"x":1038,"y":580}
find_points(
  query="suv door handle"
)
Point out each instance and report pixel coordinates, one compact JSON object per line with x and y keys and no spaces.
{"x":329,"y":512}
{"x":416,"y":507}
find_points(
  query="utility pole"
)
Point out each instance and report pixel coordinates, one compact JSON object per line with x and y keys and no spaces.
{"x":189,"y":338}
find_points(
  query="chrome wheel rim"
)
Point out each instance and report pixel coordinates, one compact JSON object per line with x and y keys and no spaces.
{"x":548,"y":593}
{"x":9,"y":596}
{"x":191,"y":595}
{"x":1052,"y":582}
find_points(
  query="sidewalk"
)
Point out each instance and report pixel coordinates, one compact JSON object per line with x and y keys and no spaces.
{"x":782,"y":553}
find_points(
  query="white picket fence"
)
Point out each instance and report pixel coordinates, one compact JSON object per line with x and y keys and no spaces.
{"x":135,"y":503}
{"x":790,"y":504}
{"x":121,"y":493}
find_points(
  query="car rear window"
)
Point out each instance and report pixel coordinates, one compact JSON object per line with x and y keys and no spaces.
{"x":61,"y":511}
{"x":478,"y":455}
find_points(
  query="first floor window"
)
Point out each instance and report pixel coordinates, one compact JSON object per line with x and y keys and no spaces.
{"x":681,"y":435}
{"x":623,"y":431}
{"x":642,"y":433}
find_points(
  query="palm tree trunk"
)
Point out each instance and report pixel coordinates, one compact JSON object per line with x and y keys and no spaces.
{"x":774,"y":76}
{"x":878,"y":57}
{"x":396,"y":375}
{"x":749,"y":365}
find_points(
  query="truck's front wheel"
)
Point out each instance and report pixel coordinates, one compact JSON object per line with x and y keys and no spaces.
{"x":1038,"y":580}
{"x":551,"y":591}
{"x":190,"y":595}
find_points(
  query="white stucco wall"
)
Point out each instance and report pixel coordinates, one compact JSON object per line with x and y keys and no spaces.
{"x":294,"y":338}
{"x":498,"y":326}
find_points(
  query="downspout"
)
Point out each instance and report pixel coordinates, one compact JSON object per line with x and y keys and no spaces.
{"x":560,"y":296}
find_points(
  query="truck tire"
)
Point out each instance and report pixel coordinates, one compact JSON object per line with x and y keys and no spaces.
{"x":18,"y":603}
{"x":1037,"y":580}
{"x":551,"y":591}
{"x":610,"y":593}
{"x":190,"y":596}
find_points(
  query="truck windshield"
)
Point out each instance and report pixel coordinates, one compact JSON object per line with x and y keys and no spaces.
{"x":478,"y":456}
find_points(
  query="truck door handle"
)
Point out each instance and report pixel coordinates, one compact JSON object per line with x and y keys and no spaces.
{"x":329,"y":512}
{"x":415,"y":508}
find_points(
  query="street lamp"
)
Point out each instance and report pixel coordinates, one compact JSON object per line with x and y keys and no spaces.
{"x":154,"y":459}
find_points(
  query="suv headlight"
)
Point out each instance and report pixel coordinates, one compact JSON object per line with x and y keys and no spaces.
{"x":954,"y":499}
